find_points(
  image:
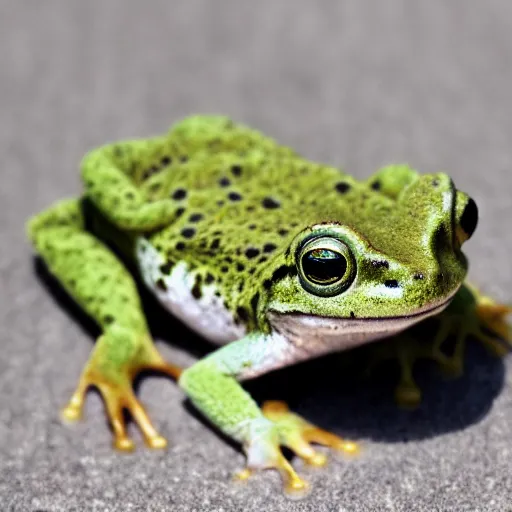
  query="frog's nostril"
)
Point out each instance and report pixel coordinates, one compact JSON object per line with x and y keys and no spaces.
{"x":440,"y":277}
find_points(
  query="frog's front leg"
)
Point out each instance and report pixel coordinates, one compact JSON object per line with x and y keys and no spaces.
{"x":392,"y":179}
{"x":212,"y":386}
{"x":99,"y":283}
{"x":112,"y":175}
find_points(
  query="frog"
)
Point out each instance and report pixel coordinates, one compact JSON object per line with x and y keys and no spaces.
{"x":274,"y":259}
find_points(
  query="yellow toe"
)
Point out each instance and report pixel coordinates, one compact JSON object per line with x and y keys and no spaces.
{"x":157,"y":442}
{"x":124,"y":444}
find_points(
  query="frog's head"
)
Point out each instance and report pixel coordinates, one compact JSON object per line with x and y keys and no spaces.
{"x":376,"y":271}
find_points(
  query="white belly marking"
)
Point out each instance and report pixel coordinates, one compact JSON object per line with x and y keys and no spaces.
{"x":207,"y":315}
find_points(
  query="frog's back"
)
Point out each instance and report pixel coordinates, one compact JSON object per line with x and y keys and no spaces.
{"x":229,"y":171}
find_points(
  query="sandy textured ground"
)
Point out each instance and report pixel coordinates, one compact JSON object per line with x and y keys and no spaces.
{"x":358,"y":84}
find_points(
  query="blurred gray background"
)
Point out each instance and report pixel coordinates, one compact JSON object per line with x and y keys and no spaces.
{"x":355,"y":84}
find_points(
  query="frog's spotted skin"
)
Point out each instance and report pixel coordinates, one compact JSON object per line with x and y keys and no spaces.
{"x":249,"y":243}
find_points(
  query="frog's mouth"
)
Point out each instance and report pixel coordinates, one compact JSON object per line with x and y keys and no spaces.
{"x":319,"y":334}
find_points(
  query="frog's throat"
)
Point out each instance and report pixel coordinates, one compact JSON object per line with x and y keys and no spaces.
{"x":316,"y":335}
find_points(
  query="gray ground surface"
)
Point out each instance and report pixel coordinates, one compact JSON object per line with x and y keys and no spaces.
{"x":353,"y":83}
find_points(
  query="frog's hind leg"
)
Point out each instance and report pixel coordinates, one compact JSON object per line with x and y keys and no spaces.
{"x":470,"y":314}
{"x":100,"y":284}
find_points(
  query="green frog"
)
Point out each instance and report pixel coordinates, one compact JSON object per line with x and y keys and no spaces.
{"x":274,"y":258}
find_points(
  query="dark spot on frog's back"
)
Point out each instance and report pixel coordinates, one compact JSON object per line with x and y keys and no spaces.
{"x":236,"y":170}
{"x":342,"y":187}
{"x":196,"y":217}
{"x":270,"y":203}
{"x":234,"y":196}
{"x":179,"y":193}
{"x":251,"y":252}
{"x":391,"y":283}
{"x":188,"y":232}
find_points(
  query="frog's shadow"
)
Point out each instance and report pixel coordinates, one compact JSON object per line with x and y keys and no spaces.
{"x":330,"y":391}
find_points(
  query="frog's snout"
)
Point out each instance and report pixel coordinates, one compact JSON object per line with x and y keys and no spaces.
{"x":466,"y":217}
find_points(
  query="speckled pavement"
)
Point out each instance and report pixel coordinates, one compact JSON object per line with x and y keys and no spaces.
{"x":358,"y":84}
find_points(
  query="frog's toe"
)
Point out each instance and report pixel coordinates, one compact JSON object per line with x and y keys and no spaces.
{"x":298,"y":434}
{"x":294,"y":485}
{"x":407,"y":395}
{"x":73,"y":410}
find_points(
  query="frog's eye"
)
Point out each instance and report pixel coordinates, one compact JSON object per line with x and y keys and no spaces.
{"x":466,"y":217}
{"x":326,"y":266}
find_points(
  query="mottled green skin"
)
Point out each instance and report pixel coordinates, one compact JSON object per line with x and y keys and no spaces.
{"x":236,"y":206}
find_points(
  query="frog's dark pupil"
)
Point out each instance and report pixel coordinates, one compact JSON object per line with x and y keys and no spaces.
{"x":469,"y":218}
{"x":323,"y":266}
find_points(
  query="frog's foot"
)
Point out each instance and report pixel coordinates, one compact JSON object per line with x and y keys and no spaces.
{"x":116,"y":389}
{"x":118,"y":396}
{"x":493,"y":316}
{"x":405,"y":350}
{"x":296,"y":434}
